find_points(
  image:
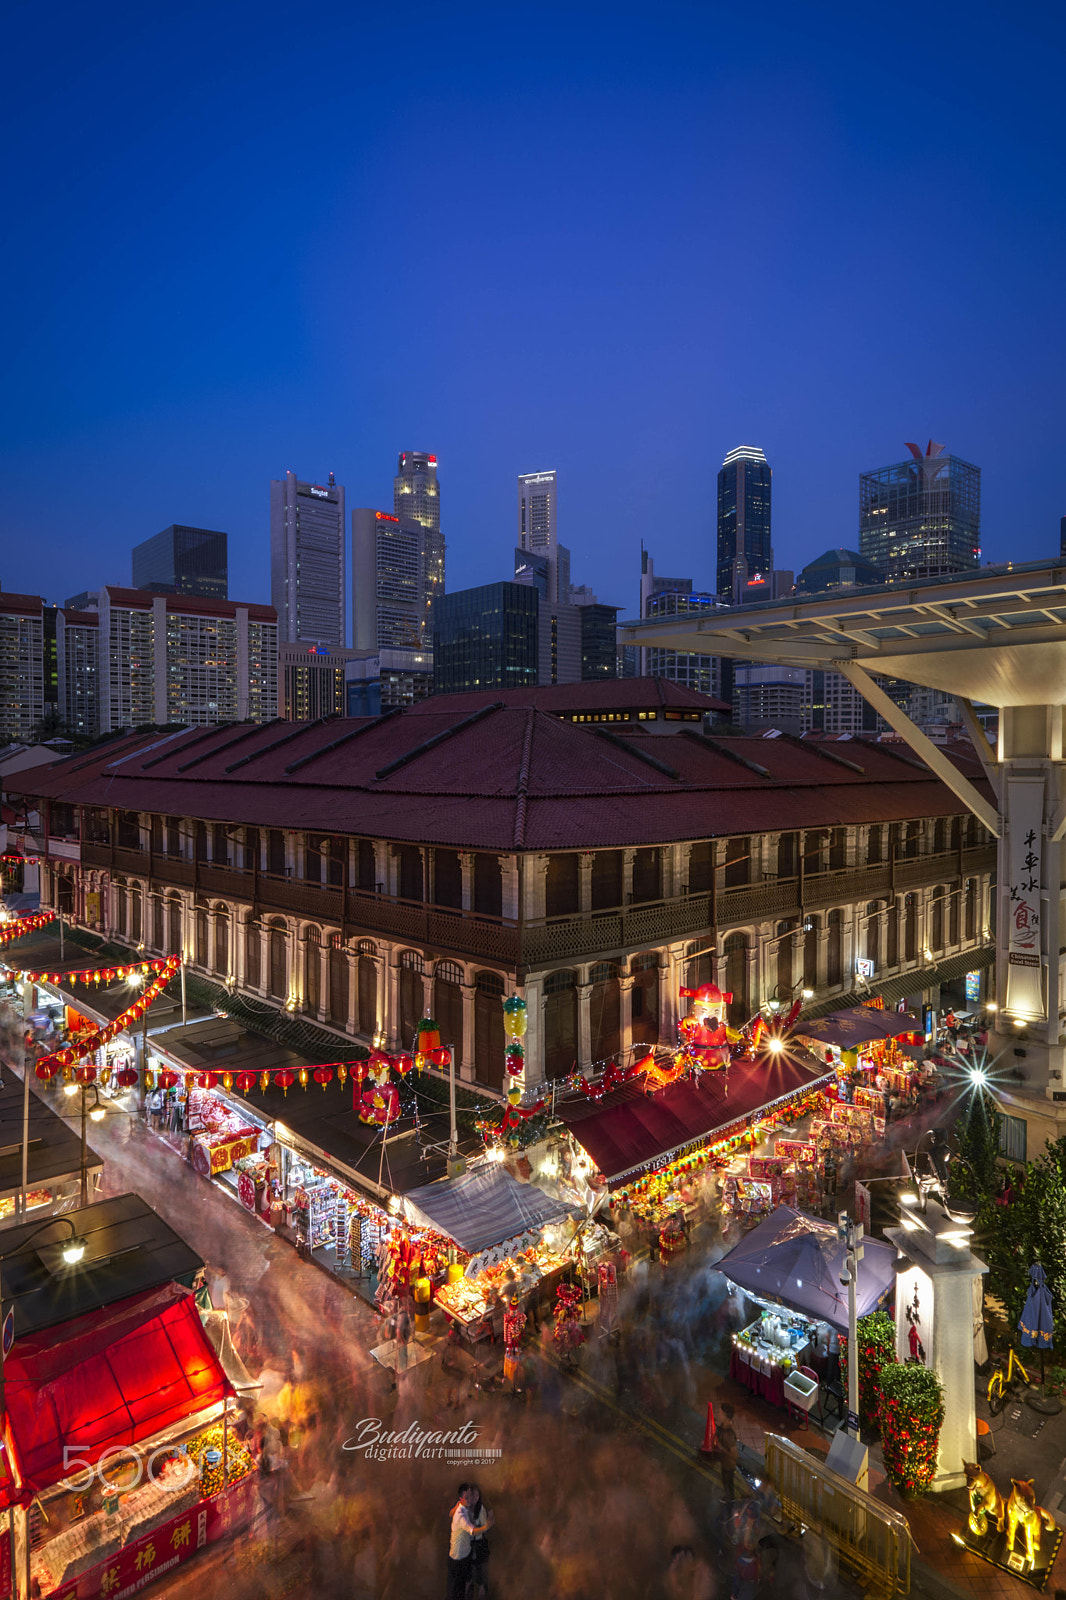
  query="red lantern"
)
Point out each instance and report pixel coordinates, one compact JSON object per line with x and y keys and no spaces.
{"x":245,"y":1082}
{"x":441,"y":1057}
{"x":168,"y":1079}
{"x":403,"y":1063}
{"x":206,"y":1080}
{"x":323,"y":1075}
{"x":45,"y":1070}
{"x":85,"y":1074}
{"x":127,"y":1078}
{"x":285,"y":1080}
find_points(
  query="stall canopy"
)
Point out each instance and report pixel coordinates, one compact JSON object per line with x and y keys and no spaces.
{"x":798,"y":1260}
{"x":630,"y":1129}
{"x":857,"y":1026}
{"x":482,"y":1208}
{"x":114,"y":1377}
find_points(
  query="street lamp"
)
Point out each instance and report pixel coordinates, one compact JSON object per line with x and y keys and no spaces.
{"x":97,"y":1113}
{"x":71,"y":1253}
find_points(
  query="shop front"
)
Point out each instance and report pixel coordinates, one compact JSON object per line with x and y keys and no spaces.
{"x":53,"y":1157}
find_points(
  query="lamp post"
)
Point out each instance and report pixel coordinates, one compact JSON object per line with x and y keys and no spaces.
{"x":852,"y":1234}
{"x":72,"y":1254}
{"x":97,"y":1112}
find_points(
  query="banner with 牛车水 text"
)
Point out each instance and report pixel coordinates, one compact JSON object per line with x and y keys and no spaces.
{"x":1025,"y":968}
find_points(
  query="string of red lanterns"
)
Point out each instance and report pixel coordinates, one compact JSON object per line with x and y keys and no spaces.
{"x":10,"y":931}
{"x":89,"y":1043}
{"x":98,"y":975}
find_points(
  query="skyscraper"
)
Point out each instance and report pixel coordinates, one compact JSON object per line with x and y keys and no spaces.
{"x":416,"y":498}
{"x":487,"y":638}
{"x":183,"y":560}
{"x":307,"y":559}
{"x":744,"y":483}
{"x":395,"y":583}
{"x":537,"y":533}
{"x":921,"y":518}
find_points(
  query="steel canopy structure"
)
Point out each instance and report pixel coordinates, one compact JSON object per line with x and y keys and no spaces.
{"x":996,"y":636}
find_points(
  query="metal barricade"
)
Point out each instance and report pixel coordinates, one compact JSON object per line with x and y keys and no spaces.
{"x":869,"y":1537}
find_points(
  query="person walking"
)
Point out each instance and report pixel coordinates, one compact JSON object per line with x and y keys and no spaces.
{"x":463,"y":1530}
{"x":728,"y":1451}
{"x":479,"y":1550}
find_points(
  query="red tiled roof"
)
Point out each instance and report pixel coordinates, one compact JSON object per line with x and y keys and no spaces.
{"x":21,"y":605}
{"x":512,"y":778}
{"x":82,"y":619}
{"x":613,"y":694}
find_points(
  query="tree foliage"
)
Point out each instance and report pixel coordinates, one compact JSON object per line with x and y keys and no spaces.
{"x":1032,"y":1227}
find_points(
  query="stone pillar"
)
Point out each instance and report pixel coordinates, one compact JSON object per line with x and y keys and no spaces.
{"x":292,"y":843}
{"x":585,"y":882}
{"x":391,"y":875}
{"x":324,"y":1007}
{"x":534,"y":1040}
{"x":466,"y":1068}
{"x":390,"y":1019}
{"x":382,"y":857}
{"x":353,"y":992}
{"x":935,"y":1258}
{"x":670,"y":964}
{"x":427,"y":998}
{"x":509,"y":874}
{"x":382,"y":967}
{"x":755,"y":998}
{"x":625,"y":1018}
{"x":534,"y":870}
{"x":627,"y":876}
{"x":584,"y":1026}
{"x":466,"y":865}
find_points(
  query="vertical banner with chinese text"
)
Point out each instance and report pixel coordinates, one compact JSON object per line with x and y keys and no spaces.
{"x":1025,"y":971}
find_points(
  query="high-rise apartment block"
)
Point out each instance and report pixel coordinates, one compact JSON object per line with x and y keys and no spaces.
{"x":78,"y":670}
{"x":183,"y":560}
{"x":311,"y":681}
{"x":486,"y":638}
{"x":307,"y":531}
{"x":744,"y":484}
{"x":22,"y":668}
{"x":921,"y":518}
{"x":179,"y":659}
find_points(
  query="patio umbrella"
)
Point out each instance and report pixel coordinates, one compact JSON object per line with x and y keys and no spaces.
{"x":1036,"y":1322}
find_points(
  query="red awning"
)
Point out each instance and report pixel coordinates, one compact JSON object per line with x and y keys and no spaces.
{"x":113,"y":1377}
{"x":629,"y":1128}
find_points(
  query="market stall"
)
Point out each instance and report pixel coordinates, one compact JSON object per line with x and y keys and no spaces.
{"x":790,"y":1265}
{"x":53,"y":1157}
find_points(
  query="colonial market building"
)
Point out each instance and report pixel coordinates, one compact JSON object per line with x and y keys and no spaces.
{"x":593,"y":847}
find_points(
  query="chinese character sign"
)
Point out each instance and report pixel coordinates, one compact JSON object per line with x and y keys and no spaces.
{"x":1025,"y":985}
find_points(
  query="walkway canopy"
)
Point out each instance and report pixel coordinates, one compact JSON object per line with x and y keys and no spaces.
{"x":858,"y":1026}
{"x":797,"y":1260}
{"x":482,"y":1209}
{"x":114,"y":1377}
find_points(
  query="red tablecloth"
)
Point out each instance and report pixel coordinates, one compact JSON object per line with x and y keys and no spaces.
{"x":771,"y":1388}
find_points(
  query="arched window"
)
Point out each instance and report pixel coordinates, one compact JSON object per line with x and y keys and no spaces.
{"x":560,"y":1023}
{"x":604,"y":1010}
{"x":736,"y":976}
{"x":936,"y":937}
{"x":159,"y":923}
{"x":312,"y":969}
{"x":279,"y":960}
{"x":873,"y":933}
{"x":412,"y":997}
{"x":120,"y":911}
{"x":971,"y":908}
{"x":811,"y":936}
{"x":834,"y":952}
{"x":368,"y":1021}
{"x":202,"y":952}
{"x":252,"y":955}
{"x":644,"y":999}
{"x":222,"y":940}
{"x":174,"y":925}
{"x":448,"y":1005}
{"x":892,"y":935}
{"x":910,"y":928}
{"x":338,"y":981}
{"x":136,"y":924}
{"x":953,"y":917}
{"x":489,"y":1038}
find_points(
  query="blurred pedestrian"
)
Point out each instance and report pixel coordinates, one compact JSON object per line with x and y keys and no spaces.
{"x":728,"y":1451}
{"x":463,"y":1529}
{"x":479,"y":1550}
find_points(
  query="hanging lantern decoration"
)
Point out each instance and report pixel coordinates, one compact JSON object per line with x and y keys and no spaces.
{"x":68,"y":1073}
{"x":227,"y":1081}
{"x":442,"y":1058}
{"x":151,"y":1077}
{"x":427,"y":1037}
{"x":85,"y":1075}
{"x":206,"y":1080}
{"x":403,"y":1063}
{"x":45,"y":1070}
{"x":190,"y":1079}
{"x":515,"y":1017}
{"x":168,"y":1079}
{"x":264,"y":1082}
{"x":324,"y":1075}
{"x":514,"y":1060}
{"x":127,"y":1078}
{"x":105,"y":1076}
{"x":358,"y":1070}
{"x":342,"y":1074}
{"x":514,"y":1094}
{"x":303,"y":1076}
{"x":285,"y":1080}
{"x":245,"y":1082}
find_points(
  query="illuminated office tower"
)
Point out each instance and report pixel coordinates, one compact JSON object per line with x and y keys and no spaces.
{"x":416,"y":498}
{"x":537,"y":493}
{"x":744,"y":484}
{"x":921,"y":518}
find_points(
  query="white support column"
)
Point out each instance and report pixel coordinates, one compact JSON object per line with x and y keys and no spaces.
{"x":584,"y":1026}
{"x":509,"y":874}
{"x":585,"y":882}
{"x":324,"y":1006}
{"x":353,"y":992}
{"x":534,"y":871}
{"x":534,"y":1040}
{"x":627,"y":876}
{"x":427,"y":995}
{"x":625,"y":1017}
{"x":466,"y":1069}
{"x":390,"y":1021}
{"x":466,"y":865}
{"x":670,"y":967}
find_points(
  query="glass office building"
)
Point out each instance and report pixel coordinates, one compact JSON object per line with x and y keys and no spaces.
{"x":599,"y":643}
{"x":921,"y":518}
{"x":744,"y":484}
{"x":183,"y":560}
{"x":683,"y":666}
{"x":486,"y":638}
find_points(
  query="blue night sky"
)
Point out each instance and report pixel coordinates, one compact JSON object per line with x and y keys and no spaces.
{"x":615,"y":240}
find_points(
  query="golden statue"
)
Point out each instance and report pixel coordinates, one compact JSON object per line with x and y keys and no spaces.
{"x":1022,"y":1508}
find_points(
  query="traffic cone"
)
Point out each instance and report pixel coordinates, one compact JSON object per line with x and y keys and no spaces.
{"x":710,"y":1433}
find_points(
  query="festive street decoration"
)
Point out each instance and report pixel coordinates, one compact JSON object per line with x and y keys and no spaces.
{"x":912,"y":1411}
{"x":567,"y":1335}
{"x":876,"y":1336}
{"x":515,"y":1022}
{"x":88,"y":1043}
{"x":427,"y":1040}
{"x":10,"y":931}
{"x":379,"y":1102}
{"x":98,"y":975}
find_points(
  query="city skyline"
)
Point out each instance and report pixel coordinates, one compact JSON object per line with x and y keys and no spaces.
{"x":167,"y":379}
